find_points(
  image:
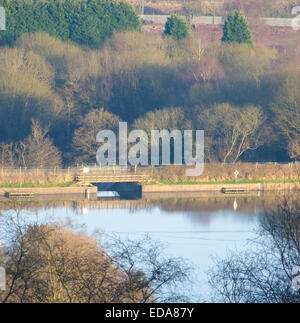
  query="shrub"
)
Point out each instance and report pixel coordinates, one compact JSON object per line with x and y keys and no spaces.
{"x":177,"y":28}
{"x":236,"y":29}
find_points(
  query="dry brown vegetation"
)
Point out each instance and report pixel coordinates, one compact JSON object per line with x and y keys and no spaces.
{"x":213,"y":172}
{"x":282,"y":38}
{"x":61,"y":267}
{"x":51,"y":263}
{"x":34,"y":176}
{"x":266,"y":8}
{"x":223,"y":172}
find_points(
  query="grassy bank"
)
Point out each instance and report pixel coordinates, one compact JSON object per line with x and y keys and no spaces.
{"x":245,"y":181}
{"x":162,"y":181}
{"x":45,"y":184}
{"x":35,"y":178}
{"x":216,"y":173}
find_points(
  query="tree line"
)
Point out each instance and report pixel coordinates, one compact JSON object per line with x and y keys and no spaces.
{"x":83,"y":22}
{"x":57,"y":94}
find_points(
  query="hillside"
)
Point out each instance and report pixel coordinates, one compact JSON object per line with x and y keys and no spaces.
{"x":266,"y":8}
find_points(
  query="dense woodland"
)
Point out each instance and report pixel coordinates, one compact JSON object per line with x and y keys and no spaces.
{"x":84,"y":22}
{"x":57,"y":93}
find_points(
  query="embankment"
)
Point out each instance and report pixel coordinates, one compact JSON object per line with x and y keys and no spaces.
{"x":49,"y":190}
{"x":162,"y":188}
{"x":263,"y":187}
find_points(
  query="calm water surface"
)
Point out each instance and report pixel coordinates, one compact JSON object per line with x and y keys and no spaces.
{"x":194,"y":228}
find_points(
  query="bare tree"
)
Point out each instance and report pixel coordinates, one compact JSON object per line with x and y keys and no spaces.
{"x":205,"y":70}
{"x":287,"y":113}
{"x":264,"y":273}
{"x":252,"y":9}
{"x":48,"y":262}
{"x":150,"y":275}
{"x":231,"y":131}
{"x":294,"y":148}
{"x":7,"y":155}
{"x":37,"y":150}
{"x":84,"y":140}
{"x":191,"y":9}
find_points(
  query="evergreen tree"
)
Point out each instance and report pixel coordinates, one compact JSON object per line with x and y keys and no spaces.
{"x":86,"y":22}
{"x":177,"y":28}
{"x":236,"y":29}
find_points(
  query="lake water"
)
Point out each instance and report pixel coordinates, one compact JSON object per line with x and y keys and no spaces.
{"x":194,"y":228}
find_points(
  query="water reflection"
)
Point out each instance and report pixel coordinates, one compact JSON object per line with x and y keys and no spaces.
{"x":235,"y":205}
{"x":108,"y":195}
{"x":192,"y":226}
